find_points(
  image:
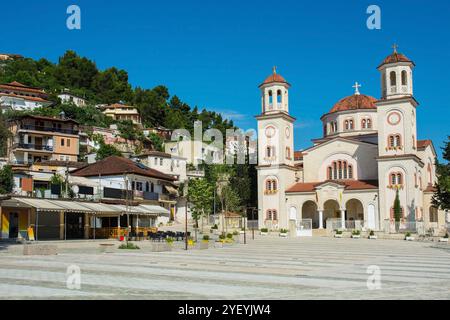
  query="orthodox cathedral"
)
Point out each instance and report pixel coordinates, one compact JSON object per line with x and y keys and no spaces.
{"x":350,"y":176}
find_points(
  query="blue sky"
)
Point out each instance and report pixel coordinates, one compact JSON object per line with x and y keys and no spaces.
{"x":215,"y":53}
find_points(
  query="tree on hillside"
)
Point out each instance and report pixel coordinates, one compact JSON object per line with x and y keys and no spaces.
{"x":6,"y":180}
{"x":107,"y":150}
{"x":441,"y":198}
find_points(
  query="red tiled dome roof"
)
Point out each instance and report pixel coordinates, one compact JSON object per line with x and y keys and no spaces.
{"x":274,"y":77}
{"x":394,"y":58}
{"x":354,"y":102}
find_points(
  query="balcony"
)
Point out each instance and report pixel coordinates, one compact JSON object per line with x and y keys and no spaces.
{"x":30,"y":146}
{"x":48,"y":129}
{"x":195,"y":173}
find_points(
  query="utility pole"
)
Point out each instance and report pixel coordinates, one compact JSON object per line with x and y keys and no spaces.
{"x":186,"y":208}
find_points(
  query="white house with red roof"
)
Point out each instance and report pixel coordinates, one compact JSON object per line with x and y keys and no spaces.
{"x":349,"y":177}
{"x":17,"y":96}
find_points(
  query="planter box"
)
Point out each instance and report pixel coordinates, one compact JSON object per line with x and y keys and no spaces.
{"x":263,"y":233}
{"x":202,"y":245}
{"x":236,"y":239}
{"x":338,"y":235}
{"x":443,"y":240}
{"x":218,"y":244}
{"x":409,"y":238}
{"x":283,"y":235}
{"x":241,"y":232}
{"x":373,"y":237}
{"x":160,"y":247}
{"x":356,"y":236}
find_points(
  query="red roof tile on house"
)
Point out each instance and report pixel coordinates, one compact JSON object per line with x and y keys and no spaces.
{"x":115,"y":165}
{"x":349,"y":185}
{"x":17,"y":86}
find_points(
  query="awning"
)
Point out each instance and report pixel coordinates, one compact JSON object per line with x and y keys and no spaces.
{"x":156,"y":209}
{"x":49,"y":205}
{"x":171,"y":190}
{"x":82,"y":181}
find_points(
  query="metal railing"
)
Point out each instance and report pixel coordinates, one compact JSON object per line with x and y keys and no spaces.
{"x":48,"y":129}
{"x":31,"y":146}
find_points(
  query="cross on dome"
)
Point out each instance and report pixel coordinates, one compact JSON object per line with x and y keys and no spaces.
{"x":357,"y":86}
{"x":274,"y":70}
{"x":395,"y":47}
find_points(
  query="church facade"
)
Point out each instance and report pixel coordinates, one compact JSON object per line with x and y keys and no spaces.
{"x":350,"y":176}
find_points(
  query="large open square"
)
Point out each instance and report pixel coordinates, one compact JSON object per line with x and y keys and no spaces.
{"x":265,"y":268}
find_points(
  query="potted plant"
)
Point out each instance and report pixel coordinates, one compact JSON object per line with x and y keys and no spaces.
{"x":129,"y":245}
{"x":338,"y":234}
{"x":219,"y":243}
{"x":372,"y":235}
{"x":204,"y":244}
{"x":264,"y":231}
{"x":408,"y":237}
{"x":445,"y":238}
{"x":283,"y":233}
{"x":236,"y":236}
{"x":356,"y":234}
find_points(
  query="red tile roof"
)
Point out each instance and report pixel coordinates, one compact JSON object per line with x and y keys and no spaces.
{"x":354,"y":102}
{"x":394,"y":58}
{"x":274,"y":77}
{"x":115,"y":165}
{"x":17,"y":86}
{"x":349,"y":185}
{"x":298,"y":155}
{"x":423,"y":143}
{"x":19,"y":96}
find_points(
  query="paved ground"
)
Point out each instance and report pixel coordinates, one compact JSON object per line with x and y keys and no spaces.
{"x":267,"y":268}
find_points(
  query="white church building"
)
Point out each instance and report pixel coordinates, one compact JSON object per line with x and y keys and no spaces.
{"x":349,"y":177}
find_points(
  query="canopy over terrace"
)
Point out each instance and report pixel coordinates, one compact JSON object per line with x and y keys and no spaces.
{"x":36,"y":206}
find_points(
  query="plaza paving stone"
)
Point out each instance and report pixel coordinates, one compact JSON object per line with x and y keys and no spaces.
{"x":266,"y":268}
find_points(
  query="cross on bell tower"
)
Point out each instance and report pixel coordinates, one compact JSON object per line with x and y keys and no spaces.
{"x":395,"y":47}
{"x":357,"y":86}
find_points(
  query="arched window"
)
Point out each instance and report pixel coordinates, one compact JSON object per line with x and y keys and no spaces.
{"x":279,"y":96}
{"x":404,"y":78}
{"x":269,"y":185}
{"x":363,"y":123}
{"x":396,"y":179}
{"x":270,"y":97}
{"x":393,"y":77}
{"x":147,"y":186}
{"x":415,"y":179}
{"x":433,"y":214}
{"x":271,"y":215}
{"x":369,"y":124}
{"x":350,"y":172}
{"x":270,"y":151}
{"x":430,"y":177}
{"x":274,"y":185}
{"x":413,"y":142}
{"x":351,"y":125}
{"x":394,"y":141}
{"x":288,"y":153}
{"x":325,"y":130}
{"x":152,"y":187}
{"x":346,"y":126}
{"x":339,"y":170}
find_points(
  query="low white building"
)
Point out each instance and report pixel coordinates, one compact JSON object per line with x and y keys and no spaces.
{"x":19,"y":97}
{"x":67,"y":97}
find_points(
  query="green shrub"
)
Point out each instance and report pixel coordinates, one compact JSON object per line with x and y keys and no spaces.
{"x":356,"y":232}
{"x":215,"y":227}
{"x":230,"y":236}
{"x":283,"y":230}
{"x":235,"y":233}
{"x":169,"y":240}
{"x":128,"y":245}
{"x":338,"y":231}
{"x":264,"y":230}
{"x":446,"y":236}
{"x":408,"y":234}
{"x":222,"y":237}
{"x":371,"y":233}
{"x":206,"y":237}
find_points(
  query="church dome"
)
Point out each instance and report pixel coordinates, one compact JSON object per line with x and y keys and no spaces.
{"x":354,"y":102}
{"x":274,"y":77}
{"x":394,"y":58}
